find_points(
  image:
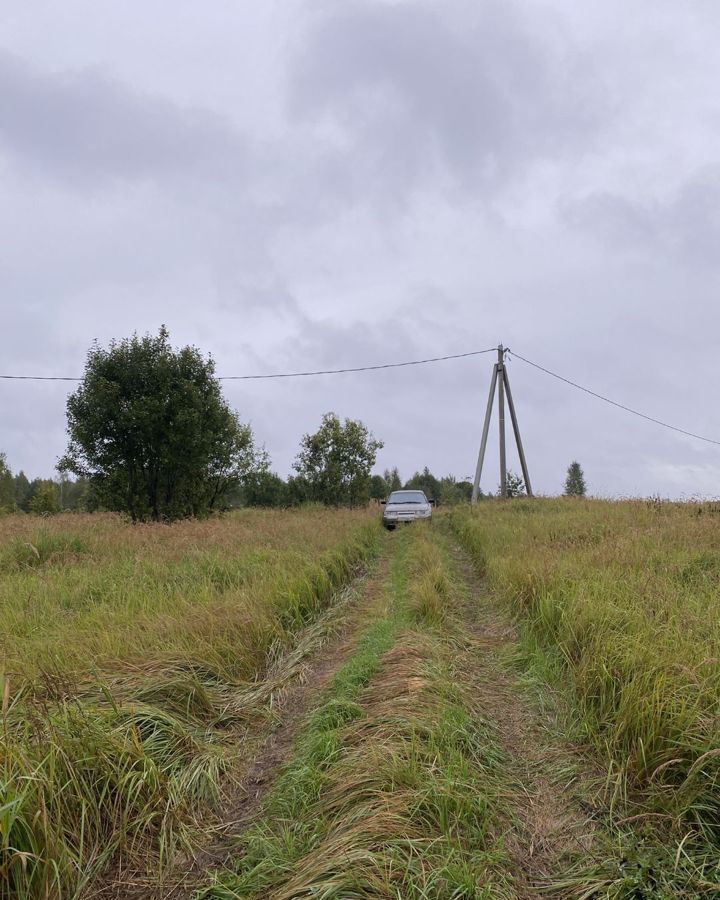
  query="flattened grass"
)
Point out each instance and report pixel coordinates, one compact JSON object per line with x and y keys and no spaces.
{"x":129,"y":658}
{"x":81,"y":592}
{"x":623,"y":600}
{"x":394,"y":786}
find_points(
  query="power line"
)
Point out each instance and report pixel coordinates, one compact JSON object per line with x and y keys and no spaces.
{"x":413,"y":362}
{"x":629,"y":409}
{"x":39,"y":378}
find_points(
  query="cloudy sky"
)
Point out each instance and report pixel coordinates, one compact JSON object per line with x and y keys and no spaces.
{"x":299,"y":184}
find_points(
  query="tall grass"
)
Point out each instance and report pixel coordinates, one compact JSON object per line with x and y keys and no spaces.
{"x":624,"y":598}
{"x":128,"y":657}
{"x":396,"y":781}
{"x":86,"y":592}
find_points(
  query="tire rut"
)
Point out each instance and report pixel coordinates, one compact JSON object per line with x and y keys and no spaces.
{"x":553,"y":823}
{"x":271,"y":748}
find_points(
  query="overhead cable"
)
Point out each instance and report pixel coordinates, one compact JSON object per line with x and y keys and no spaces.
{"x":397,"y":365}
{"x":414,"y":362}
{"x":628,"y":409}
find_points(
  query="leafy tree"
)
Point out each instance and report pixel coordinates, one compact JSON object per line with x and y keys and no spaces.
{"x":21,"y":490}
{"x":46,"y":498}
{"x":149,"y":429}
{"x":465,"y":488}
{"x":336,"y":461}
{"x":7,"y":485}
{"x":515,"y":486}
{"x":575,"y":481}
{"x":453,"y":491}
{"x":392,"y":480}
{"x":31,"y":491}
{"x":74,"y":494}
{"x":425,"y":481}
{"x":378,"y":488}
{"x":264,"y":488}
{"x":298,"y":490}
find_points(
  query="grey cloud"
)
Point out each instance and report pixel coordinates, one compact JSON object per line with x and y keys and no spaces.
{"x":470,"y":90}
{"x":401,"y":201}
{"x":684,"y":223}
{"x":83,"y":126}
{"x":405,"y":407}
{"x":611,"y":218}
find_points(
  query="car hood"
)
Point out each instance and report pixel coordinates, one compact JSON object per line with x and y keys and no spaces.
{"x":407,"y":507}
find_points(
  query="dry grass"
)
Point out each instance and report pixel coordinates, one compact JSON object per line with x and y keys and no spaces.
{"x":394,"y":788}
{"x":430,"y":588}
{"x":623,"y":599}
{"x":129,"y":655}
{"x":410,"y":802}
{"x":85,"y":592}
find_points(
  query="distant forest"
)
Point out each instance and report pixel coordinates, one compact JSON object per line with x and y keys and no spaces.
{"x":266,"y":489}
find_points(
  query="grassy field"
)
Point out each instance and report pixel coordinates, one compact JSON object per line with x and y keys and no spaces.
{"x":129,"y":656}
{"x":620,"y":604}
{"x":82,"y":592}
{"x":395,"y":786}
{"x":525,"y":704}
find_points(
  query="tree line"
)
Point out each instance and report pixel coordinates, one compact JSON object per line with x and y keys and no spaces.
{"x":150,"y":435}
{"x":268,"y":489}
{"x":262,"y":488}
{"x":41,"y":495}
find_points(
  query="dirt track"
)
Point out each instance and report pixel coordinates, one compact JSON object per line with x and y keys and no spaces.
{"x":549,"y":822}
{"x":269,"y":743}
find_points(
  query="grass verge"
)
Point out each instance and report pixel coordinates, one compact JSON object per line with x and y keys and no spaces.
{"x":126,"y":761}
{"x":618,"y":602}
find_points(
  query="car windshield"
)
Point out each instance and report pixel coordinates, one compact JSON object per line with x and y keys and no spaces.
{"x":406,"y":497}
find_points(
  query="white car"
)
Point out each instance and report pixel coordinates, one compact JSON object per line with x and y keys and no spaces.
{"x":406,"y":506}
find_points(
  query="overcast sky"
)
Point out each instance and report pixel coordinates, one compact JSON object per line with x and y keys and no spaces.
{"x":297,"y":184}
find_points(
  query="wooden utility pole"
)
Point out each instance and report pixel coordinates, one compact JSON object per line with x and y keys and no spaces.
{"x":518,"y":439}
{"x":501,"y":419}
{"x":486,"y":429}
{"x":502,"y":382}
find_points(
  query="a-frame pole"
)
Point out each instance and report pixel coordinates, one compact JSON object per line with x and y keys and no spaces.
{"x":516,"y":429}
{"x":501,"y":411}
{"x":486,"y":429}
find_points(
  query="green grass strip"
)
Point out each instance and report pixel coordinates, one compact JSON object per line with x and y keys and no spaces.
{"x":395,"y":784}
{"x":287,"y":831}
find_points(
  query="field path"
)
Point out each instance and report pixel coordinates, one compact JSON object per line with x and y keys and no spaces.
{"x":270,"y":745}
{"x":553,"y":819}
{"x":302,"y":696}
{"x":549,"y":807}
